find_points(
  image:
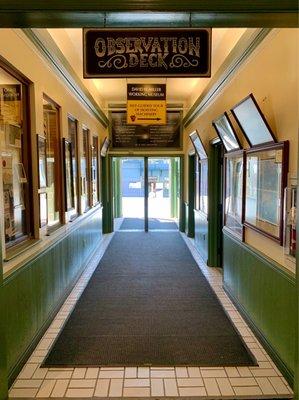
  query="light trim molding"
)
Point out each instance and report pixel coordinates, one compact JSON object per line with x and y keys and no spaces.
{"x":249,"y":41}
{"x":59,"y":64}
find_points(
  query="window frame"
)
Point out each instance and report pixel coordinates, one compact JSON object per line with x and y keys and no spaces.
{"x":95,"y":203}
{"x":284,"y":173}
{"x":25,"y":151}
{"x":88,"y":169}
{"x":76,"y":180}
{"x":235,"y":154}
{"x":60,"y":198}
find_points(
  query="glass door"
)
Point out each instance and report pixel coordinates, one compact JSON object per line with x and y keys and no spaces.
{"x":132,"y":192}
{"x":160,"y":196}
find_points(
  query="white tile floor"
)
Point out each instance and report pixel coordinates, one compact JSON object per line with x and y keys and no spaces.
{"x":264,"y":381}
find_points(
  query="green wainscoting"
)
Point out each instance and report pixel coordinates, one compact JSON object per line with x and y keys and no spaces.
{"x":3,"y":372}
{"x":35,"y":291}
{"x":201,"y":233}
{"x":266,"y":295}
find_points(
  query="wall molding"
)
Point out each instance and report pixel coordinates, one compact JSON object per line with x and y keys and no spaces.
{"x":280,"y":269}
{"x":47,"y":47}
{"x":249,"y":41}
{"x":288,"y":374}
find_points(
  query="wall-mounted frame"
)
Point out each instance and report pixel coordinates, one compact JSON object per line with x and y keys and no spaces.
{"x":198,"y":145}
{"x":266,"y":179}
{"x":253,"y":122}
{"x":68,"y":175}
{"x":226,"y":133}
{"x":234,"y":192}
{"x":42,"y":161}
{"x":43,"y":210}
{"x":139,"y":138}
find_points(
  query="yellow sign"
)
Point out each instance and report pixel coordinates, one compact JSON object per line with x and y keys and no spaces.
{"x":146,"y":112}
{"x":146,"y":104}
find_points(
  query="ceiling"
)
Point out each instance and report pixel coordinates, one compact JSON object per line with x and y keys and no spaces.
{"x":179,"y":90}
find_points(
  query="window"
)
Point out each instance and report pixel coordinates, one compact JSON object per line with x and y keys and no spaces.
{"x":95,"y":170}
{"x":203,"y":186}
{"x":15,"y":155}
{"x":85,"y":172}
{"x":73,"y":138}
{"x":234,"y":178}
{"x":53,"y":167}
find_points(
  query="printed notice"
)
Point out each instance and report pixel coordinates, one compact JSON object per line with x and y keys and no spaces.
{"x":146,"y":104}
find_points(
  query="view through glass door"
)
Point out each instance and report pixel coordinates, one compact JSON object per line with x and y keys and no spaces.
{"x":162,"y":175}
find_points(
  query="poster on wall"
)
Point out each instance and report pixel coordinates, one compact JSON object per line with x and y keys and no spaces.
{"x":125,"y":136}
{"x":119,"y":53}
{"x":10,"y":103}
{"x":146,"y":104}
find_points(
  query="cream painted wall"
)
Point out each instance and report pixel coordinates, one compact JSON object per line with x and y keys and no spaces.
{"x":271,"y":74}
{"x":20,"y":52}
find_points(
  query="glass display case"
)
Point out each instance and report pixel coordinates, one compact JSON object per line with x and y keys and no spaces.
{"x":13,"y":129}
{"x":266,"y":174}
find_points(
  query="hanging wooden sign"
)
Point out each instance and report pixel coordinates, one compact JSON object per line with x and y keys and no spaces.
{"x":119,"y":53}
{"x":146,"y":104}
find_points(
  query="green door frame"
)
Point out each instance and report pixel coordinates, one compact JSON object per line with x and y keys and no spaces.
{"x":109,"y":194}
{"x":116,"y":178}
{"x":215,"y":194}
{"x":3,"y":366}
{"x":191,"y":188}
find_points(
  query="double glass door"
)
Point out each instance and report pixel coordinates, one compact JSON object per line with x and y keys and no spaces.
{"x":147,"y":191}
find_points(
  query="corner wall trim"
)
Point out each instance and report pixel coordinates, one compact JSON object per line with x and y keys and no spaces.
{"x":13,"y":373}
{"x":236,"y":58}
{"x":288,"y":374}
{"x":50,"y":51}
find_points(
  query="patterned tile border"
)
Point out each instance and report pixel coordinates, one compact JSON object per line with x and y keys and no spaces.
{"x":262,"y":382}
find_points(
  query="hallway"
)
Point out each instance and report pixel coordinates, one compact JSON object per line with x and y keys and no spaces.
{"x":148,"y":199}
{"x":262,"y":381}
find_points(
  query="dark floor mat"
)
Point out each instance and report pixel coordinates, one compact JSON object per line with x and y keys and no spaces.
{"x":148,"y":303}
{"x":153,"y":223}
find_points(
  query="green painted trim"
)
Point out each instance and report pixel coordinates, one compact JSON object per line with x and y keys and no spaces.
{"x":236,"y":58}
{"x":204,"y":5}
{"x":117,"y":196}
{"x":58,"y":62}
{"x":164,"y":13}
{"x":107,"y":194}
{"x":3,"y":364}
{"x":34,"y":292}
{"x":214,"y":213}
{"x":288,"y":374}
{"x":191,"y":178}
{"x":296,"y":384}
{"x":265,"y":292}
{"x":278,"y":268}
{"x":14,"y":372}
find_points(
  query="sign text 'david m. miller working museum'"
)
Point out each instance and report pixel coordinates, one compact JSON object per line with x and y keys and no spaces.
{"x":148,"y":52}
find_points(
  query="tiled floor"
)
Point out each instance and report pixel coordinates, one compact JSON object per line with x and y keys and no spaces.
{"x":264,"y":381}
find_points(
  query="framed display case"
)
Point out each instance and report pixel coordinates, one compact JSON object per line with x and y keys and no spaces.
{"x":266,"y":179}
{"x":15,"y":156}
{"x":42,"y":162}
{"x":253,"y":122}
{"x":68,"y":175}
{"x":234,"y":192}
{"x":226,"y":133}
